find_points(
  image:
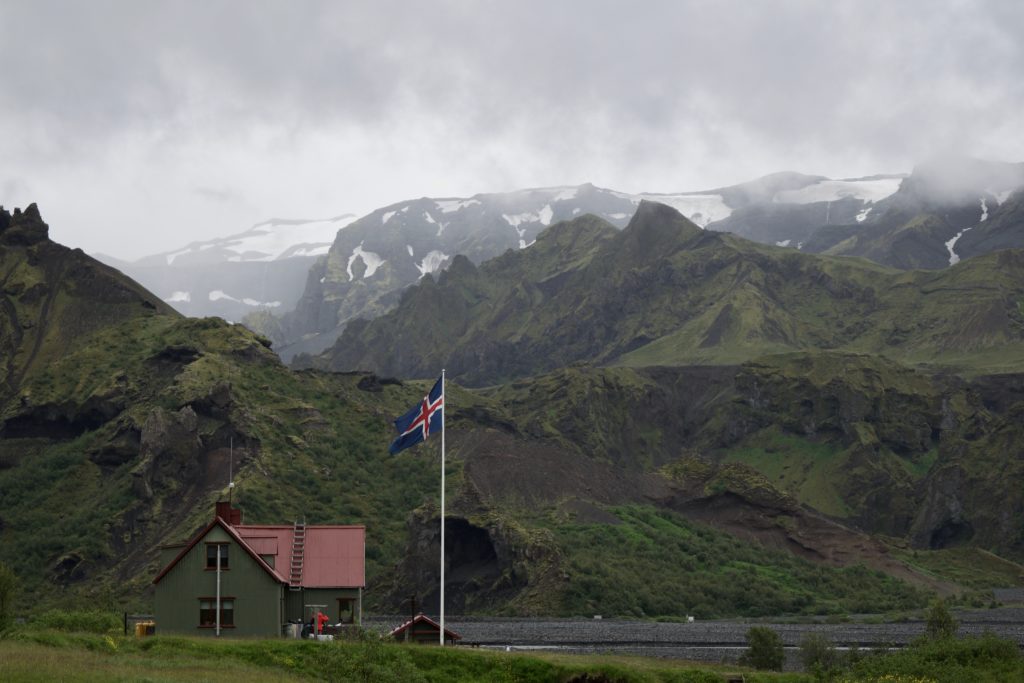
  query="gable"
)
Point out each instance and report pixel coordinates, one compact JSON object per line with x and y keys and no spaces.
{"x":192,"y":557}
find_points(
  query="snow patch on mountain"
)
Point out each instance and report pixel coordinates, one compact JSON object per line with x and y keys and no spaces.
{"x":1001,"y":196}
{"x":453,"y":205}
{"x":862,"y":216}
{"x":371,"y":260}
{"x":833,"y":190}
{"x":984,"y":211}
{"x":783,"y":243}
{"x":274,"y":239}
{"x":408,"y":248}
{"x":319,"y":250}
{"x":543,"y":216}
{"x":175,"y":254}
{"x":217,"y":295}
{"x":387,"y":216}
{"x":564,"y":194}
{"x":177,"y":297}
{"x":432,"y":262}
{"x":428,"y":218}
{"x":953,"y":258}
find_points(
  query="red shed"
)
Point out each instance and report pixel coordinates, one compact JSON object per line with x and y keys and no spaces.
{"x":423,"y":629}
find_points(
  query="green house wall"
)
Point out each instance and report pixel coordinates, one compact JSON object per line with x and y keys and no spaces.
{"x":258,"y":596}
{"x":296,"y":601}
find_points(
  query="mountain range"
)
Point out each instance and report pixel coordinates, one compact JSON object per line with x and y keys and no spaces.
{"x":271,"y":273}
{"x":664,"y":292}
{"x":917,"y":221}
{"x":263,"y":268}
{"x":299,"y":282}
{"x":705,"y":407}
{"x":376,"y":257}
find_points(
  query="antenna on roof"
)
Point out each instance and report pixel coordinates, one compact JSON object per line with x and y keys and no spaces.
{"x":231,"y":465}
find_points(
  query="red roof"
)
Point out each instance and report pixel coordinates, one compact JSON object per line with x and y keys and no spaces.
{"x":333,"y":558}
{"x":333,"y":555}
{"x":424,"y":619}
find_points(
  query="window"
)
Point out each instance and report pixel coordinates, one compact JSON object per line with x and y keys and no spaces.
{"x":346,"y":610}
{"x":208,"y":612}
{"x":211,"y":555}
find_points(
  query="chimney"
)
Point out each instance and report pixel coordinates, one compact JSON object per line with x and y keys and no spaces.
{"x":229,"y":514}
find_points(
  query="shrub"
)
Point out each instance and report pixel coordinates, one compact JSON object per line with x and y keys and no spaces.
{"x":83,"y":621}
{"x":983,"y":659}
{"x":940,"y":624}
{"x":8,"y":587}
{"x":764,"y":650}
{"x":819,"y":656}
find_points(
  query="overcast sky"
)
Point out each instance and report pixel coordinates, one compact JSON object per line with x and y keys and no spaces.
{"x":140,"y":126}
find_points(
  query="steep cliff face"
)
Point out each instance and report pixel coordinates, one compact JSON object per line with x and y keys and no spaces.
{"x":119,"y":419}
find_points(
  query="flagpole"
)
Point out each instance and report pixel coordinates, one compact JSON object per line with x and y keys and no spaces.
{"x":443,"y":410}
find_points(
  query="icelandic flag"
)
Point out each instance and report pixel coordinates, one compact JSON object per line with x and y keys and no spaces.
{"x":422,"y":421}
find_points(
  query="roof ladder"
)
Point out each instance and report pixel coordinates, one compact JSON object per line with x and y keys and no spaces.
{"x":298,"y":552}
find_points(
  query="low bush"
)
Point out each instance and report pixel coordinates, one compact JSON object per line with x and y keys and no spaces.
{"x":939,"y":624}
{"x":82,"y":621}
{"x":819,"y":656}
{"x":765,"y":651}
{"x":8,"y":589}
{"x":987,"y":659}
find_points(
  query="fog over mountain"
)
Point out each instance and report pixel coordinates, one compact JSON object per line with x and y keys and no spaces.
{"x":144,"y":127}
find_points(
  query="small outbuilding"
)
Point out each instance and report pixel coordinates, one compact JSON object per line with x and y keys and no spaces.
{"x":423,"y":629}
{"x":251,"y":580}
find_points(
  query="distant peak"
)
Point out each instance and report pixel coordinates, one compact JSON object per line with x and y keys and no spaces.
{"x":658,"y":228}
{"x":460,"y":267}
{"x":651,"y":212}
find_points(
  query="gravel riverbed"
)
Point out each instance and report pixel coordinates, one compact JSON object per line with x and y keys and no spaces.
{"x":706,"y":641}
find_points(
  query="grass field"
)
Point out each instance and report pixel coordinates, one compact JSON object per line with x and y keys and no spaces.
{"x":972,"y":568}
{"x":47,"y":654}
{"x":43,"y":655}
{"x":800,"y":467}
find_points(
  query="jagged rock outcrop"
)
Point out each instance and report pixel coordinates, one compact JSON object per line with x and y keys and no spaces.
{"x":23,"y":228}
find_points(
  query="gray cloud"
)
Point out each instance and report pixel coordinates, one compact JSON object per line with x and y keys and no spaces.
{"x":317,"y":108}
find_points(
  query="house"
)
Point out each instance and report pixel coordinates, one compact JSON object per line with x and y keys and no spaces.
{"x":268,"y":576}
{"x":423,"y":629}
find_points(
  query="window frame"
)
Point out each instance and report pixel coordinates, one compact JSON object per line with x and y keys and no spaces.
{"x":230,"y":612}
{"x":352,"y":609}
{"x":225,"y":563}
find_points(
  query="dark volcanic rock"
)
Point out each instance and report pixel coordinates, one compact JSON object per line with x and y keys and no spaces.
{"x":23,"y":228}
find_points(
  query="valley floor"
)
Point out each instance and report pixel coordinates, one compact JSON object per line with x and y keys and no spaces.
{"x":719,"y":641}
{"x":987,"y":651}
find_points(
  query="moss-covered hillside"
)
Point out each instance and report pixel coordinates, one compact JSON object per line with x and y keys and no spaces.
{"x":120,"y":422}
{"x":663,"y":292}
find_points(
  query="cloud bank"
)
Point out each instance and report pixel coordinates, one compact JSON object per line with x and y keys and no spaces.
{"x":141,"y":126}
